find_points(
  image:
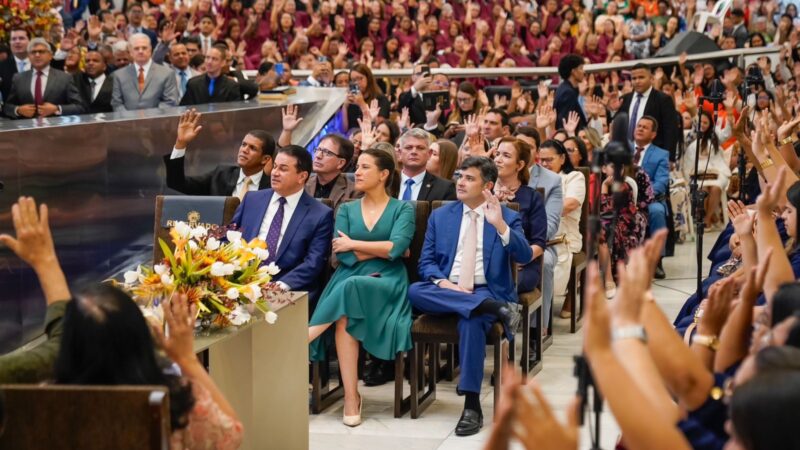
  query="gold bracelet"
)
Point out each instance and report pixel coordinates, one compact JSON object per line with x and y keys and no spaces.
{"x":767,"y":163}
{"x":788,"y":140}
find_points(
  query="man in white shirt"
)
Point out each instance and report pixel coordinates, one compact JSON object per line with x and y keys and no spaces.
{"x":179,"y":59}
{"x":18,"y":64}
{"x":254,"y":155}
{"x":95,"y":87}
{"x":415,"y":182}
{"x":476,"y":282}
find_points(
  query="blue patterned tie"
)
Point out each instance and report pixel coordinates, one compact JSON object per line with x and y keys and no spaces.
{"x":274,"y":232}
{"x":183,"y":82}
{"x":407,"y":192}
{"x":634,"y":113}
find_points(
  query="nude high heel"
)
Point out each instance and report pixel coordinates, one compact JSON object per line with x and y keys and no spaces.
{"x":353,"y":421}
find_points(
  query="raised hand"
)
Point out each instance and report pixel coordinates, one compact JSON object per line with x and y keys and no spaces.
{"x":535,"y":424}
{"x":770,"y":197}
{"x":717,"y":308}
{"x":368,"y":133}
{"x":597,"y":331}
{"x":289,"y":117}
{"x":743,"y":224}
{"x":34,"y":242}
{"x":94,"y":28}
{"x":188,"y":128}
{"x":168,"y":33}
{"x":736,"y":208}
{"x":404,"y":122}
{"x":571,"y":123}
{"x":542,"y":90}
{"x":500,"y":101}
{"x":432,"y":117}
{"x":180,"y":318}
{"x":471,"y":126}
{"x":787,"y":127}
{"x":374,"y":109}
{"x":493,"y":211}
{"x":545,"y":117}
{"x":754,"y":282}
{"x":730,"y":100}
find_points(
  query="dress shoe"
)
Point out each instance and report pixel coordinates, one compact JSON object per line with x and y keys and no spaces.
{"x":380,"y":373}
{"x":510,"y":317}
{"x":533,"y":345}
{"x":353,"y":421}
{"x":660,"y":275}
{"x":470,"y":423}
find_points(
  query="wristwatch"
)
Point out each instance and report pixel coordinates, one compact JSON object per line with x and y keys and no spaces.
{"x":629,"y":332}
{"x":712,"y":342}
{"x":788,"y":140}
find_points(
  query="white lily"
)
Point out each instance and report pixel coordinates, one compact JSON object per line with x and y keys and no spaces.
{"x":193,"y":245}
{"x":270,"y":317}
{"x":253,"y":292}
{"x":233,"y":236}
{"x":167,"y":280}
{"x":132,"y":276}
{"x":160,"y":269}
{"x":232,"y":293}
{"x":261,"y":253}
{"x":239,"y":316}
{"x":183,"y":229}
{"x":272,"y":268}
{"x":212,"y":244}
{"x":220,"y":269}
{"x":199,"y":232}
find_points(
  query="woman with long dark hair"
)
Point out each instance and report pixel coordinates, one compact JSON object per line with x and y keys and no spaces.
{"x":364,"y":90}
{"x":365,"y":300}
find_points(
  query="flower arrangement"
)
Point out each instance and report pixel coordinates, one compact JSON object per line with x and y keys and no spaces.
{"x":216,"y":269}
{"x":36,"y":16}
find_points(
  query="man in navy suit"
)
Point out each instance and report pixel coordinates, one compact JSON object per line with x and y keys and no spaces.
{"x":297,"y":228}
{"x":466,"y":265}
{"x":570,"y":69}
{"x":655,"y":161}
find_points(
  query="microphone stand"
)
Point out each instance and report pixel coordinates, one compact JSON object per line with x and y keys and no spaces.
{"x":741,"y":163}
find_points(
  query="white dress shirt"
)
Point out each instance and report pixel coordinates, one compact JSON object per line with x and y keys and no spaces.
{"x":272,"y":209}
{"x":98,"y":83}
{"x":146,"y":68}
{"x":644,"y":152}
{"x":415,"y":188}
{"x":480,"y":275}
{"x":206,"y":42}
{"x":642,"y":103}
{"x":24,"y":63}
{"x":256,"y":178}
{"x":45,"y":75}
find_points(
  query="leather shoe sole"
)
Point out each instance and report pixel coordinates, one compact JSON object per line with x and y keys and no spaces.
{"x":510,"y":318}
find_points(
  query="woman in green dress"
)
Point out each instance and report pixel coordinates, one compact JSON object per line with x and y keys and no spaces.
{"x":366,"y":297}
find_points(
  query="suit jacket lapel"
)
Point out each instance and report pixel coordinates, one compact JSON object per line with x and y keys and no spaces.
{"x":26,"y":80}
{"x":425,"y":189}
{"x":294,"y":223}
{"x":47,"y":85}
{"x":147,"y":78}
{"x":451,"y":235}
{"x":339,"y":189}
{"x":258,"y":217}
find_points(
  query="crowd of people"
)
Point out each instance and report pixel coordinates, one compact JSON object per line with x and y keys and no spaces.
{"x":727,"y":377}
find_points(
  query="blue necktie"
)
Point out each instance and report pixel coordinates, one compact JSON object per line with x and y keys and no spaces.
{"x":211,"y":87}
{"x":407,"y":193}
{"x":634,"y":113}
{"x":274,"y":233}
{"x":183,"y":81}
{"x":21,"y":66}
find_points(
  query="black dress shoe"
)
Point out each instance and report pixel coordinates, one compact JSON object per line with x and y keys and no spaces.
{"x":382,"y":373}
{"x":470,"y":423}
{"x":660,"y":275}
{"x":510,"y":317}
{"x":533,"y":344}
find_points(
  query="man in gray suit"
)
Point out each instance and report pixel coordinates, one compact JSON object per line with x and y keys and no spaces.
{"x":143,"y":84}
{"x":553,"y":204}
{"x":42,"y":91}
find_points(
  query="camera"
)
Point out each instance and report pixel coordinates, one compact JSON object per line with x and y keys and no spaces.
{"x":354,"y":89}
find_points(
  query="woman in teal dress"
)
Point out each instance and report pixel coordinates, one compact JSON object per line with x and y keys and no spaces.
{"x":366,"y":297}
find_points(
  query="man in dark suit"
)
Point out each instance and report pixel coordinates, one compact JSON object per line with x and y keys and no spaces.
{"x":331,"y":156}
{"x":255,"y":153}
{"x":297,"y":228}
{"x":93,"y":84}
{"x":42,"y":91}
{"x":477,"y":286}
{"x":412,"y":99}
{"x":570,"y":68}
{"x":18,"y":63}
{"x":212,"y":87}
{"x":415,"y":182}
{"x":646,"y":101}
{"x":135,"y":25}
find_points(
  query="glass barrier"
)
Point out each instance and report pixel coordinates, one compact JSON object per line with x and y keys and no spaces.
{"x":99,"y":175}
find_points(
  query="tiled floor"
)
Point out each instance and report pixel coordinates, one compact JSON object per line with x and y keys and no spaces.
{"x":434,"y":430}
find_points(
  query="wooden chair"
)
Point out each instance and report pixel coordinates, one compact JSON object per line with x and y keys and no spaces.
{"x":433,"y":330}
{"x":187,"y":212}
{"x":578,"y":270}
{"x":56,"y":417}
{"x":532,"y":302}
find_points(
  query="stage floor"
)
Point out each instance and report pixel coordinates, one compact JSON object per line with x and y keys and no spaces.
{"x":434,"y":429}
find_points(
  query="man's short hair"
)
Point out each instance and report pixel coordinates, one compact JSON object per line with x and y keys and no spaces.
{"x":346,"y":148}
{"x":24,"y":30}
{"x":737,"y":12}
{"x":485,"y":165}
{"x":120,"y":46}
{"x":304,"y":162}
{"x":222,"y":49}
{"x":530,"y":132}
{"x":505,"y":119}
{"x":652,"y":120}
{"x":102,"y":58}
{"x":267,"y":142}
{"x":191,"y":40}
{"x":133,"y":5}
{"x":141,"y":36}
{"x":638,"y":66}
{"x":39,"y":42}
{"x":416,"y":133}
{"x":569,"y":63}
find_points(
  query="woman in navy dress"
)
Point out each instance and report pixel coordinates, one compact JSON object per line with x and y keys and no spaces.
{"x":512,"y":158}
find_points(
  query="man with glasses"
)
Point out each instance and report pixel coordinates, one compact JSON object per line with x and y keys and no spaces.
{"x":135,"y":25}
{"x":253,"y":158}
{"x":330,"y":158}
{"x":42,"y":91}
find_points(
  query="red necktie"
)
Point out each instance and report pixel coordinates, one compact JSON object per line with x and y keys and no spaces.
{"x":638,"y":155}
{"x":141,"y":79}
{"x":37,"y":89}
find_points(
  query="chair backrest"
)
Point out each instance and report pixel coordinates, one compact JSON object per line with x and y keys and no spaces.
{"x":86,"y":417}
{"x":582,"y":223}
{"x":422,"y":211}
{"x":721,"y":8}
{"x":206,"y":210}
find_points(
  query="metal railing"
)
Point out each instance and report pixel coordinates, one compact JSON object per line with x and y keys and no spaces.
{"x":535,"y":72}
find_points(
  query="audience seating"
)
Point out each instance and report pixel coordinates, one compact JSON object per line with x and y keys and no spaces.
{"x":229,"y":209}
{"x":578,"y":269}
{"x":56,"y":417}
{"x":532,"y":303}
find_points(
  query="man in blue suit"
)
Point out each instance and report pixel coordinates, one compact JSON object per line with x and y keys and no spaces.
{"x":655,"y":161}
{"x":297,"y":228}
{"x":466,"y":265}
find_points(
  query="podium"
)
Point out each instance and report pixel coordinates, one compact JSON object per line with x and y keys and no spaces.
{"x":262,"y":370}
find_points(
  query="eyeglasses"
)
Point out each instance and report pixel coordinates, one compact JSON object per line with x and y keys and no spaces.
{"x":571,"y":150}
{"x":38,"y":52}
{"x":546,"y":160}
{"x":464,"y":99}
{"x":326,"y":152}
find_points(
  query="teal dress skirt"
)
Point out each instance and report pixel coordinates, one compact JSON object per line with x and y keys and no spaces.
{"x":372,"y":294}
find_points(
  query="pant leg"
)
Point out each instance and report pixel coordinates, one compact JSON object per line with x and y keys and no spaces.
{"x":657,"y":212}
{"x":548,"y":267}
{"x":561,"y":270}
{"x":431,"y":299}
{"x":472,"y":350}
